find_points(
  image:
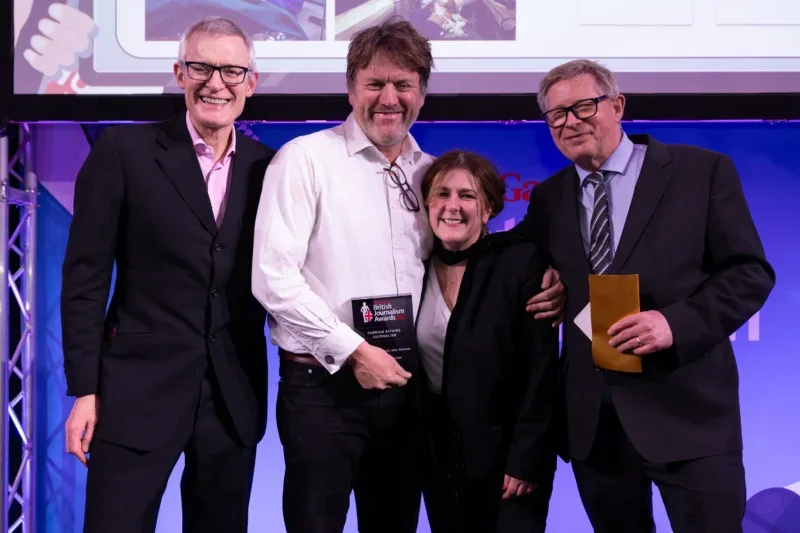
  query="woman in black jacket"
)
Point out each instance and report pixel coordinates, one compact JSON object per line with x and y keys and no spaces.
{"x":490,"y":369}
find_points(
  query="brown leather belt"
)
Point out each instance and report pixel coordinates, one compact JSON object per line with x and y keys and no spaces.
{"x":305,"y":359}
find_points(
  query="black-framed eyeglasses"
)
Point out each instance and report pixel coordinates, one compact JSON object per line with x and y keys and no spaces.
{"x":230,"y":74}
{"x":582,"y":110}
{"x":398,"y":177}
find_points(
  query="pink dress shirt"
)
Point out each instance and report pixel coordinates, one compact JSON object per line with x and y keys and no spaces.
{"x":217,"y":174}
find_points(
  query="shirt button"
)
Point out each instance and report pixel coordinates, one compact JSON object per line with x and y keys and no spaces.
{"x":329,"y":359}
{"x":213,"y":293}
{"x":211,"y":339}
{"x":217,"y":248}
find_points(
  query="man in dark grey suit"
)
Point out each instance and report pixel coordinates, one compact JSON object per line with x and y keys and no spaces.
{"x":676,"y":216}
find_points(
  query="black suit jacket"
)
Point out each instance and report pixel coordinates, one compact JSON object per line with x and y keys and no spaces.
{"x":690,"y":238}
{"x":182,"y":297}
{"x":500,"y":377}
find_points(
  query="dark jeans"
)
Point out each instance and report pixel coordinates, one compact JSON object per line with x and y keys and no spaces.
{"x":705,"y":495}
{"x":337,"y":438}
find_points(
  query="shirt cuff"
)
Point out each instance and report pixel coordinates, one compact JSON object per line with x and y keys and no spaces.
{"x":333,"y":352}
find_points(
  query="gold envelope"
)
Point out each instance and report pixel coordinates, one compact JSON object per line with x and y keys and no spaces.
{"x":612,"y":298}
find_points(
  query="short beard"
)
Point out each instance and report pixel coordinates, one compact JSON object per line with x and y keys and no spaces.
{"x":386,"y":140}
{"x":383,"y":141}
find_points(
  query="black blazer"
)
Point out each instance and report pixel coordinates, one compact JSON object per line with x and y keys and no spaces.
{"x":500,"y":379}
{"x":690,"y":238}
{"x":182,"y":297}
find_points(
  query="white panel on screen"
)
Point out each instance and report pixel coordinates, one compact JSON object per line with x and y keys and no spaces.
{"x":635,"y":12}
{"x":769,"y":12}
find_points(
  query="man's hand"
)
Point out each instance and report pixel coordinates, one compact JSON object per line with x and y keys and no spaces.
{"x":80,"y":425}
{"x":514,"y":488}
{"x":642,"y":333}
{"x":550,"y":302}
{"x":376,"y":369}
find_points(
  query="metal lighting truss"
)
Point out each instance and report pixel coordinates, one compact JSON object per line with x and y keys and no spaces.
{"x":18,"y":188}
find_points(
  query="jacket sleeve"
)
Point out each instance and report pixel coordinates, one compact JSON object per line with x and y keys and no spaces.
{"x":534,"y":225}
{"x":740,"y":280}
{"x":532,"y":452}
{"x":89,"y":263}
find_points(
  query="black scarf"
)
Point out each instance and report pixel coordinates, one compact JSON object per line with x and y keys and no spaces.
{"x":450,"y":257}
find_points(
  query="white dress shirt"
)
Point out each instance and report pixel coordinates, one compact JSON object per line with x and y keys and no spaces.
{"x":331,"y":226}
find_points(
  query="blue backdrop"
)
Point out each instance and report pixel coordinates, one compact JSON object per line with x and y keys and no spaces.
{"x":768,"y":160}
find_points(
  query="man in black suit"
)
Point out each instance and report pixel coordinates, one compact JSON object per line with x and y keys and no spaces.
{"x":676,"y":216}
{"x":177,"y":364}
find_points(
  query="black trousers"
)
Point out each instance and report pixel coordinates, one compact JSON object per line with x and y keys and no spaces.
{"x":125,"y":486}
{"x":704,"y":495}
{"x":338,"y":438}
{"x":458,"y":503}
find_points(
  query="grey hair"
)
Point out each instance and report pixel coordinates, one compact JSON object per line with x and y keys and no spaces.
{"x":604,"y":79}
{"x":217,"y":27}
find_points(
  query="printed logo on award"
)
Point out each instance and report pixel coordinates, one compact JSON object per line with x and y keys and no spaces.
{"x":366,"y":313}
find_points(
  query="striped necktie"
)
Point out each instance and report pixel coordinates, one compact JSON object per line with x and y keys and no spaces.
{"x":600,"y":228}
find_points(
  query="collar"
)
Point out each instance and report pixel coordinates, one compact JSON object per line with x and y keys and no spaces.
{"x":617,"y":162}
{"x":357,"y":141}
{"x":200,"y":145}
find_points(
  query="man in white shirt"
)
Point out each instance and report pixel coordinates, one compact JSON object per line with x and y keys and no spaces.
{"x":341,"y":217}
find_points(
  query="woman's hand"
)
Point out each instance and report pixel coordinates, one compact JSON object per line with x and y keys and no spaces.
{"x":514,"y":488}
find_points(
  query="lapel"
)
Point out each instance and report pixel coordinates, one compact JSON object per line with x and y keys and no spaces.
{"x":567,"y":227}
{"x":178,"y":160}
{"x":237,"y":188}
{"x":653,"y":180}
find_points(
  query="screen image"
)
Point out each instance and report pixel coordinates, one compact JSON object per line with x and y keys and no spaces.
{"x":437,"y":20}
{"x":118,"y":47}
{"x":278,"y":20}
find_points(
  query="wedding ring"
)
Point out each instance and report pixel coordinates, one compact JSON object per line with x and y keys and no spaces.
{"x":639,"y":341}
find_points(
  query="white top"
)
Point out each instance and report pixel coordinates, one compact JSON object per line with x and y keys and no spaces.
{"x":330,"y":227}
{"x":434,"y":315}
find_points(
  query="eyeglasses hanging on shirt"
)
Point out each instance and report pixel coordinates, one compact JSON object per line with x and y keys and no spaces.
{"x":398,"y":177}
